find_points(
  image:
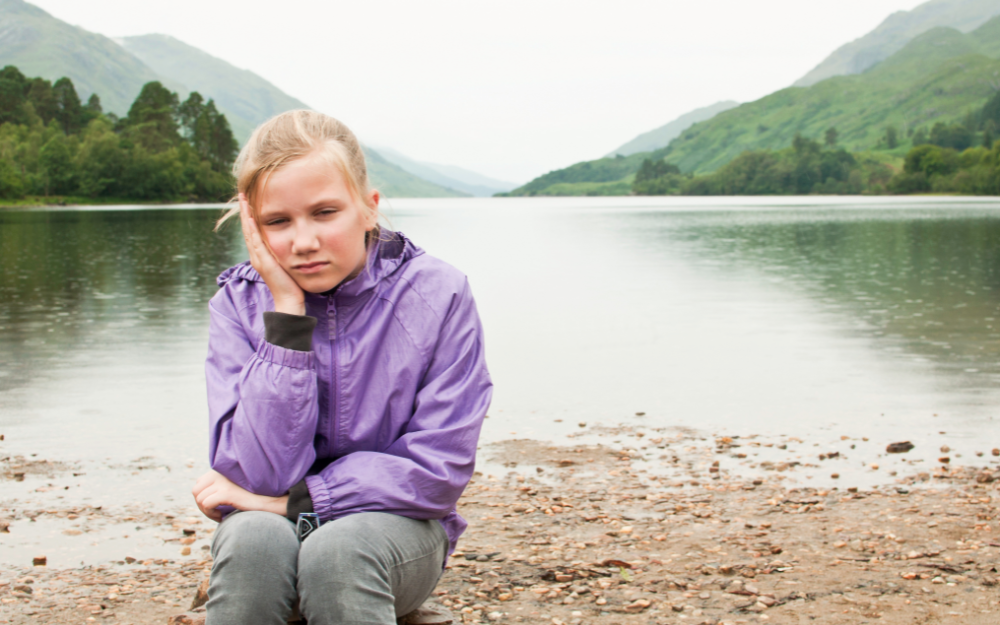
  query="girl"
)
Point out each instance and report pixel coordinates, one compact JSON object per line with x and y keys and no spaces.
{"x":346,"y":377}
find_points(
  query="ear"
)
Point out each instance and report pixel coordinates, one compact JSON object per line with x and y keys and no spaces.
{"x":371,"y":218}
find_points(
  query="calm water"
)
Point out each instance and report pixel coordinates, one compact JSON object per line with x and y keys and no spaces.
{"x":808,"y":317}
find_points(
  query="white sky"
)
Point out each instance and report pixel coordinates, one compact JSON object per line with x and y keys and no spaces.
{"x":510,"y":89}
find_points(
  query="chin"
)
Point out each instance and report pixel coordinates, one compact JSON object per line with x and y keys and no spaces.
{"x":319,"y":285}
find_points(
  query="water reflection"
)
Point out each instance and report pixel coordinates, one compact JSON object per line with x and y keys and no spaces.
{"x":79,"y":286}
{"x":708,"y":315}
{"x":927,"y":283}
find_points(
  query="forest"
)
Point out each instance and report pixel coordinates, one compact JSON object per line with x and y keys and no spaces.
{"x":962,"y":157}
{"x":54,"y":148}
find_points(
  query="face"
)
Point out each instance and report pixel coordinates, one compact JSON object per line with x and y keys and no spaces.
{"x":314,"y":225}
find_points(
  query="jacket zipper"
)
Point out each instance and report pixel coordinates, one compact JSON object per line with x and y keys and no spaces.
{"x":331,"y":321}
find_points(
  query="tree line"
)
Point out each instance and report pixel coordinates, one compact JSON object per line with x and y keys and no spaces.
{"x":961,"y":157}
{"x":53,"y":144}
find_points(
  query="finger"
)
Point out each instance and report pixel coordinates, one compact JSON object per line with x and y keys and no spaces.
{"x":211,"y":513}
{"x":249,"y":226}
{"x":205,"y":494}
{"x":201,"y":482}
{"x":204,"y":481}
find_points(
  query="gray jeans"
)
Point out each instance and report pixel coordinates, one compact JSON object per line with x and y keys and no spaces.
{"x":364,"y":568}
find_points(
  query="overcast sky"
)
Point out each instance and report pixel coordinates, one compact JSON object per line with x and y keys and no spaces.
{"x":510,"y":89}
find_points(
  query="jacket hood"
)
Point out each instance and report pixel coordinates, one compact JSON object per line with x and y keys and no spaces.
{"x":385,"y":255}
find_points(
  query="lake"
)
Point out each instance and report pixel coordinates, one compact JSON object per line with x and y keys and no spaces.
{"x":808,"y":317}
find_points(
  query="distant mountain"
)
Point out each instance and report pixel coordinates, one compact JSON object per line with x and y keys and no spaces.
{"x":662,"y":136}
{"x":41,"y":45}
{"x":450,"y":176}
{"x":244,"y":97}
{"x":939,"y":76}
{"x":898,"y":29}
{"x":394,"y":182}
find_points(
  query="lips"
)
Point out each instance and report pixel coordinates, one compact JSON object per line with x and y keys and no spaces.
{"x":311,"y":267}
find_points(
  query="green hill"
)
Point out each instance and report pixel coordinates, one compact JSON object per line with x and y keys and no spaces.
{"x":896,"y":31}
{"x":41,"y":45}
{"x":244,"y":97}
{"x":940,"y":76}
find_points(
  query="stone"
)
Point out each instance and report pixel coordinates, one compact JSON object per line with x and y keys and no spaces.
{"x":899,"y":448}
{"x":200,"y":596}
{"x":427,"y":614}
{"x":638,"y":606}
{"x":39,"y":561}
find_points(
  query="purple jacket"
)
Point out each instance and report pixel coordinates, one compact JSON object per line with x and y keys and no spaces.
{"x":382,"y":415}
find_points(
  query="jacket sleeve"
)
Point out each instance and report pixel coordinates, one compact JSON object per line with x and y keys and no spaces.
{"x":262,"y":404}
{"x":422,"y":474}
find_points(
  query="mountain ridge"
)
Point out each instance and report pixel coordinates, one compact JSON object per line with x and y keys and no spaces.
{"x":896,"y":31}
{"x":662,"y":136}
{"x":941,"y":75}
{"x":40,"y":44}
{"x":448,"y":176}
{"x":246,"y":98}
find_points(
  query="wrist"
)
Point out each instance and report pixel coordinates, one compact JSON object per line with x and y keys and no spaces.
{"x":290,"y":307}
{"x":277,"y":505}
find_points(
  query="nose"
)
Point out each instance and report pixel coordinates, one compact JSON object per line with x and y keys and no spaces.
{"x":306,"y":240}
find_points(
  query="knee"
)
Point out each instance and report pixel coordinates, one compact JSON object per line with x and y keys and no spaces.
{"x":342,"y":546}
{"x":255,"y":535}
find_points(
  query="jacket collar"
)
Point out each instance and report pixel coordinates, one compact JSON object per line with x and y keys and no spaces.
{"x":385,"y":254}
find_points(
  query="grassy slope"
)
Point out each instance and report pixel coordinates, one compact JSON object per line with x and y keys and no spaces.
{"x":585,"y":174}
{"x":939,"y":76}
{"x":244,"y":97}
{"x":41,"y":45}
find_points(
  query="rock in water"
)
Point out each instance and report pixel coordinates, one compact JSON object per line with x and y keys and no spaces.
{"x":899,"y":448}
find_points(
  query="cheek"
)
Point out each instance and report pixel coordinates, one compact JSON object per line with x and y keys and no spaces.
{"x":280,"y":245}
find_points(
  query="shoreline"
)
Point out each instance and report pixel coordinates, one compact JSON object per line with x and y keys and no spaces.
{"x":77,"y":202}
{"x":585,"y":533}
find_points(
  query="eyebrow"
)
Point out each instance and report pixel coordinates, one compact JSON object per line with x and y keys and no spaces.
{"x":318,"y":203}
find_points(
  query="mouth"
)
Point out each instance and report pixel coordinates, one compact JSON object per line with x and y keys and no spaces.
{"x":310,"y":267}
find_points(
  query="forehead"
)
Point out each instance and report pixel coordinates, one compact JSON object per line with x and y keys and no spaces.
{"x":304,"y":181}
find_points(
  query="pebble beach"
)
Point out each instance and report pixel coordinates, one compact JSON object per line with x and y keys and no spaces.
{"x":627,"y":525}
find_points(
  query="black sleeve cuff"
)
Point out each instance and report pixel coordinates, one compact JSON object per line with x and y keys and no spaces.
{"x":289,"y":331}
{"x":298,"y":501}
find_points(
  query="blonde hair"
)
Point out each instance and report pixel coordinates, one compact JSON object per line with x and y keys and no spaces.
{"x":288,"y":137}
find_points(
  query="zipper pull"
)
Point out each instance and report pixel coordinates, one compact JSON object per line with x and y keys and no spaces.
{"x":331,"y":321}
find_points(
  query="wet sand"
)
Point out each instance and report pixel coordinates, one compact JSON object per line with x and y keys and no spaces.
{"x":669,"y":527}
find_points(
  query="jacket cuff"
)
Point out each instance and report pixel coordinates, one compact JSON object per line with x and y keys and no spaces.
{"x":289,"y":331}
{"x":322,"y":500}
{"x":299,"y":501}
{"x":285,"y":357}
